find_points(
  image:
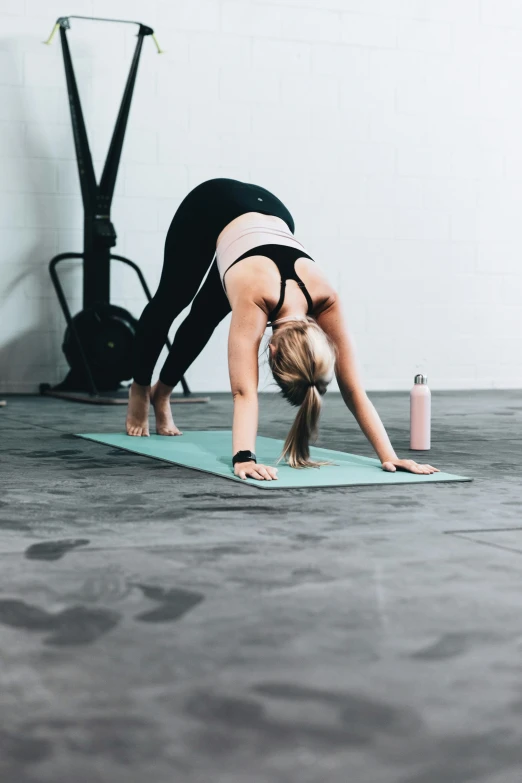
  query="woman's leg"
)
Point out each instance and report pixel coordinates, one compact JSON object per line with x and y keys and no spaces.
{"x":186,"y":262}
{"x":189,"y":248}
{"x":208,"y":309}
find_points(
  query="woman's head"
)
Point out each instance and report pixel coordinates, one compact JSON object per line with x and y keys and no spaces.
{"x":302,"y":360}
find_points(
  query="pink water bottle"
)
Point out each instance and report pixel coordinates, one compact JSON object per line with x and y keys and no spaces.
{"x":420,"y":414}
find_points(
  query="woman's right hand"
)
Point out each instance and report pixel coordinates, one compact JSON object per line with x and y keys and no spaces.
{"x":253,"y":470}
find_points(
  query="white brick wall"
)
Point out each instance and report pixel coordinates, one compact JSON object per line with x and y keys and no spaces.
{"x":391,"y":127}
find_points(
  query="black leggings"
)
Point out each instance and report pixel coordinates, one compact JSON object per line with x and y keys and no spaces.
{"x":189,"y":248}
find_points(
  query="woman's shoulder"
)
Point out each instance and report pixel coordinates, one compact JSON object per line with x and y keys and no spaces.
{"x":316,"y":278}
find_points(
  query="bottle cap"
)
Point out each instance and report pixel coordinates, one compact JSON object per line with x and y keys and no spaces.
{"x":421,"y":378}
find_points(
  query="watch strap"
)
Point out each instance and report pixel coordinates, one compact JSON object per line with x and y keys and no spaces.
{"x":244,"y":456}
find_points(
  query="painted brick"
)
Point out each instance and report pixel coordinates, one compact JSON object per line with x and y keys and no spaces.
{"x":320,"y":91}
{"x":193,"y":15}
{"x":448,"y":194}
{"x":249,"y":86}
{"x":139,"y":212}
{"x":30,"y":104}
{"x":176,"y":85}
{"x":287,"y":56}
{"x":409,"y":9}
{"x":200,"y":146}
{"x":12,"y":140}
{"x":52,"y":9}
{"x":372,"y":222}
{"x":310,"y":24}
{"x":14,"y":7}
{"x":413,"y":161}
{"x":360,"y":30}
{"x":220,"y":117}
{"x":506,"y":13}
{"x":11,"y":67}
{"x":421,"y":224}
{"x":208,"y":51}
{"x":22,"y":248}
{"x":25,"y":175}
{"x":424,"y":36}
{"x":463,"y":11}
{"x":147,"y":181}
{"x":242,"y":17}
{"x":53,"y":211}
{"x":277,"y":121}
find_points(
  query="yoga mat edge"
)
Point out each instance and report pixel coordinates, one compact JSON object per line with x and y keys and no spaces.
{"x":196,"y":440}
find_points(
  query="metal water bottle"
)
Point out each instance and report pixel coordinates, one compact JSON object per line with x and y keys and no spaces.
{"x":420,"y":414}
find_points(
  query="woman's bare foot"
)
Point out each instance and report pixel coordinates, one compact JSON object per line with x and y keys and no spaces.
{"x":160,"y":398}
{"x":138,"y":411}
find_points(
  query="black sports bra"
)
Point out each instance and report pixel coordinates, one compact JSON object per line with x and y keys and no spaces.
{"x":284,"y":257}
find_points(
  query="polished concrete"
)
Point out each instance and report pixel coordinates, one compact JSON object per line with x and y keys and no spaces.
{"x":159,"y":624}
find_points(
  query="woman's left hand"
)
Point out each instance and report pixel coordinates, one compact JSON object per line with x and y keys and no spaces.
{"x":408,"y":465}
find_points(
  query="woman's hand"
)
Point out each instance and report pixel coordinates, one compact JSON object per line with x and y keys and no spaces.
{"x":254,"y":470}
{"x":408,"y":465}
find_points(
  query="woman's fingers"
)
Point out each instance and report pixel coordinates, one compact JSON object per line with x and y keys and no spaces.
{"x":411,"y":466}
{"x":428,"y":469}
{"x":268,"y":473}
{"x":257,"y":472}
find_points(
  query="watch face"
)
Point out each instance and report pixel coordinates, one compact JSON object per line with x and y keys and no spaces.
{"x":244,"y":456}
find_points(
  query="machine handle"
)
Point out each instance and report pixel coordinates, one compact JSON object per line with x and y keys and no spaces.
{"x":63,"y":21}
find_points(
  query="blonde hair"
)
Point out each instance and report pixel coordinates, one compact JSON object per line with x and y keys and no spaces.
{"x":302,"y":361}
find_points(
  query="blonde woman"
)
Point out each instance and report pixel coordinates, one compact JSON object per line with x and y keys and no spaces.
{"x":260,"y":271}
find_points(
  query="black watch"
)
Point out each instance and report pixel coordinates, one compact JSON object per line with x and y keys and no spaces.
{"x":244,"y":456}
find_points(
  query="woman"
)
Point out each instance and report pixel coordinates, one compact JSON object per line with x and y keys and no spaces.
{"x":261,"y":273}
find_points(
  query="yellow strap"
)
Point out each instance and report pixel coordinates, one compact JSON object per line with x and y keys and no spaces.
{"x":53,"y":33}
{"x":160,"y":51}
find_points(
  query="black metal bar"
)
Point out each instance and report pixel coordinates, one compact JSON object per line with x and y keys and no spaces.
{"x":81,"y":143}
{"x":138,"y":272}
{"x":110,"y":170}
{"x":65,"y":19}
{"x":67,"y":313}
{"x":99,"y":233}
{"x":184,"y":384}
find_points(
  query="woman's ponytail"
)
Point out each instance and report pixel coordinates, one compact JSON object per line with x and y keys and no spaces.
{"x":302,"y":360}
{"x":296,"y":450}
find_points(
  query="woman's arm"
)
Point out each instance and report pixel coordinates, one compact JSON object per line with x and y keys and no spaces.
{"x":246,"y":331}
{"x":331,"y":320}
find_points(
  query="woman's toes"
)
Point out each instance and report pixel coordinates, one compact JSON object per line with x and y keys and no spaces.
{"x":168,"y":431}
{"x":137,"y":432}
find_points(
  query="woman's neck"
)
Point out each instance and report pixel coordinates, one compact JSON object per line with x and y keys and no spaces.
{"x":288,"y":319}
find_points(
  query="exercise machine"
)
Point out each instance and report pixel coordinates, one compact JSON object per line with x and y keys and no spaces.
{"x":98,"y":340}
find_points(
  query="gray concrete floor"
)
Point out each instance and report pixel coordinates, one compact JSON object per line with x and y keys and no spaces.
{"x":159,"y":624}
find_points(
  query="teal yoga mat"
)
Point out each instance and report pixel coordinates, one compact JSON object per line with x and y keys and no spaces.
{"x":211,"y":452}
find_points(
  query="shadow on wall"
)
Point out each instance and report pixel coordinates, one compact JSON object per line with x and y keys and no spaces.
{"x":29,"y":301}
